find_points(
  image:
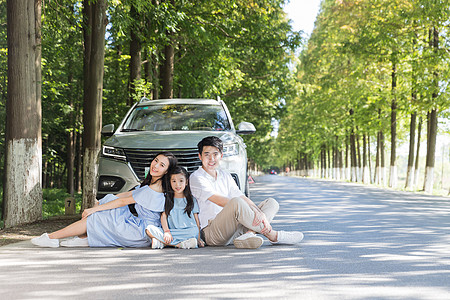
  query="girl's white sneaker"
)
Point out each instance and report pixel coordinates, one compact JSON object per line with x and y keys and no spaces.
{"x":188,"y":244}
{"x":45,"y":241}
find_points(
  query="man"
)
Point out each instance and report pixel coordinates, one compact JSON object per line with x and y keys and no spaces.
{"x":226,"y":215}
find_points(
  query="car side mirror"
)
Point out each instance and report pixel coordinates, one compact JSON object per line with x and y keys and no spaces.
{"x":246,"y":128}
{"x":108,"y":130}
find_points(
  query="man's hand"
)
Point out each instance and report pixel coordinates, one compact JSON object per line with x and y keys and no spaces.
{"x":267,"y":227}
{"x":259,"y":216}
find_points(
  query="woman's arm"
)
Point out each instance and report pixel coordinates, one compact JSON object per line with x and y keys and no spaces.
{"x":199,"y":240}
{"x":109,"y":205}
{"x":125,"y":194}
{"x":168,"y":238}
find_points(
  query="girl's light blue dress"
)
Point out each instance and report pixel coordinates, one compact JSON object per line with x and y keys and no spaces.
{"x":182,"y":227}
{"x":119,"y":227}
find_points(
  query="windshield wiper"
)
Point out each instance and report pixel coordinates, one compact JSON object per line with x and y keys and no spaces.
{"x":131,"y":129}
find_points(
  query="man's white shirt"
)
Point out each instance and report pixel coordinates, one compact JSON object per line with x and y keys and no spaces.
{"x":204,"y":186}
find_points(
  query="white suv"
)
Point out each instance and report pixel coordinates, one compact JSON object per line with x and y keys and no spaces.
{"x":174,"y":125}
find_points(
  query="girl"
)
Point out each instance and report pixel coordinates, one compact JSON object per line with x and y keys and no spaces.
{"x":180,"y":217}
{"x":110,"y":223}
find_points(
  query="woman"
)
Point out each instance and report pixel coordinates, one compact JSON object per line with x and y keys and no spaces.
{"x":110,"y":223}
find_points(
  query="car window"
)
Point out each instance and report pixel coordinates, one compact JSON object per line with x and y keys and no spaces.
{"x":175,"y":117}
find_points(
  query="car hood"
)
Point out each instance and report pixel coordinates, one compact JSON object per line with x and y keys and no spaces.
{"x":163,"y":140}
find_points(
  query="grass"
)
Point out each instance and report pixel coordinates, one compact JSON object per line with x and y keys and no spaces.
{"x":53,"y":202}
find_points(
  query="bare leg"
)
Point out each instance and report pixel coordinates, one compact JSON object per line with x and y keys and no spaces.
{"x":78,"y":228}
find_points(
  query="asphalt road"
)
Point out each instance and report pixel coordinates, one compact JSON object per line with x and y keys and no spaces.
{"x":360,"y":243}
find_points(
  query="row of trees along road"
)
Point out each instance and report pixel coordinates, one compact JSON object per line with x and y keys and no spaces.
{"x":371,"y":70}
{"x":61,"y":77}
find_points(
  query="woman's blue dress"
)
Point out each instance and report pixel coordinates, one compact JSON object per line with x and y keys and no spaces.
{"x":119,"y":227}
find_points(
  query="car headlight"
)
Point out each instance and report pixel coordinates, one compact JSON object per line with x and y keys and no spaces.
{"x":115,"y":153}
{"x":110,"y":184}
{"x":230,"y":149}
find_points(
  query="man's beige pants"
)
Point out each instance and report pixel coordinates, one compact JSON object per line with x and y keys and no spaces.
{"x":235,"y":219}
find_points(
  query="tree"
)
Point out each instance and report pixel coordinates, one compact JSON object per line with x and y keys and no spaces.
{"x":92,"y":109}
{"x":23,"y":191}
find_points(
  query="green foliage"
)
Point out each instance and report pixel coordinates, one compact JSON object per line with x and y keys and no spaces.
{"x":238,"y":50}
{"x":54,"y":201}
{"x":348,"y":66}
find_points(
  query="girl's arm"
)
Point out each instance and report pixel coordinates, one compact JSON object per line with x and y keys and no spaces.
{"x":109,"y":205}
{"x":168,"y":238}
{"x":199,"y":240}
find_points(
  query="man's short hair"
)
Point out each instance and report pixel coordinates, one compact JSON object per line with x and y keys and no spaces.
{"x":213,"y":141}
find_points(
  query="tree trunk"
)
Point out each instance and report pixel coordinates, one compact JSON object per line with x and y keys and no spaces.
{"x":358,"y":163}
{"x":167,"y":70}
{"x":431,"y":151}
{"x":369,"y":159}
{"x":410,"y":167}
{"x":70,"y":155}
{"x":155,"y":89}
{"x":379,"y":164}
{"x":92,"y":116}
{"x":366,"y":173}
{"x":347,"y":165}
{"x":135,"y":59}
{"x":416,"y":164}
{"x":353,"y":157}
{"x":382,"y":159}
{"x":432,"y":125}
{"x":328,"y":163}
{"x":23,"y":162}
{"x":393,"y":178}
{"x":148,"y":71}
{"x":38,"y":68}
{"x":70,"y":135}
{"x":79,"y":165}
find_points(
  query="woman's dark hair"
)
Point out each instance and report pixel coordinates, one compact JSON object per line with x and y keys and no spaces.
{"x":187,"y":193}
{"x":165,"y":178}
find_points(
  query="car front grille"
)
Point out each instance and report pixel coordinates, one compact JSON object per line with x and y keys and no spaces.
{"x":141,"y":158}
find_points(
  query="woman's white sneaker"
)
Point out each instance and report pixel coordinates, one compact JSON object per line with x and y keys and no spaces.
{"x":289,"y":237}
{"x":248,"y":240}
{"x":45,"y":241}
{"x":75,"y":242}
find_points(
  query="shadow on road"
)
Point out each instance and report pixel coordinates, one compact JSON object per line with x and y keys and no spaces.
{"x":360,"y":243}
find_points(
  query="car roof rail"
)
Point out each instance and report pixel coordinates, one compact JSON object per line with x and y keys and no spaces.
{"x":144,"y":99}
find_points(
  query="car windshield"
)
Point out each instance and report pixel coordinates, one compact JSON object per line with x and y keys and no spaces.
{"x":174,"y":117}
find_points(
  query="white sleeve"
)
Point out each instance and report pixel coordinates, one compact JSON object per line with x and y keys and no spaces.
{"x":201,"y":188}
